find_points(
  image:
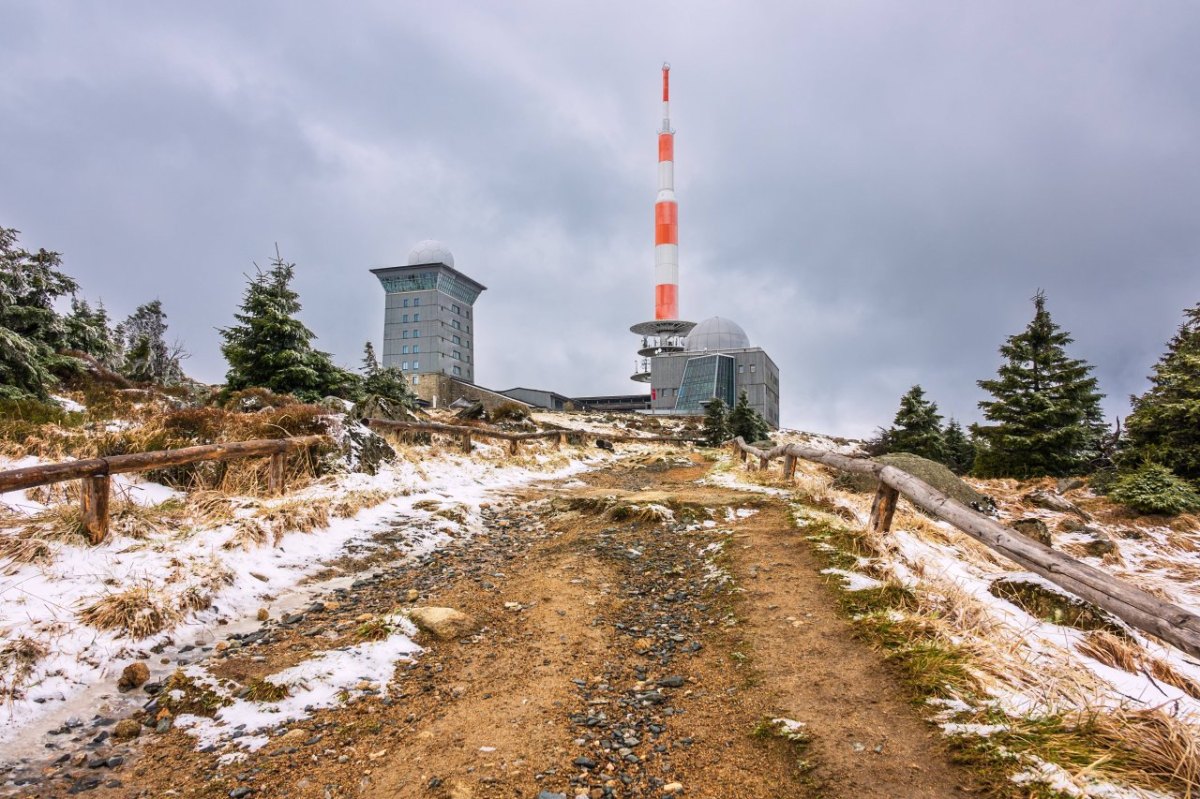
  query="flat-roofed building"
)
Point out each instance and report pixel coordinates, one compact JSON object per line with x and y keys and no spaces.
{"x":429,"y":316}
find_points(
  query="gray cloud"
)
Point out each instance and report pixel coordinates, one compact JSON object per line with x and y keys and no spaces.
{"x":873,"y":191}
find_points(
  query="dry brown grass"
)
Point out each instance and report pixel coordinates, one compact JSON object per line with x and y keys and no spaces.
{"x":1158,"y":749}
{"x":17,"y":659}
{"x":296,"y":515}
{"x":22,"y":549}
{"x":248,"y":533}
{"x":350,"y":503}
{"x":1112,"y":650}
{"x":136,"y":612}
{"x":210,"y":508}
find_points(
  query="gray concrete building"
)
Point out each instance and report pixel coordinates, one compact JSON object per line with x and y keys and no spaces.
{"x":716,"y":361}
{"x":429,"y":316}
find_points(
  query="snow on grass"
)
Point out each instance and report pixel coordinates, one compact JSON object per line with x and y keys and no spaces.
{"x":42,"y":600}
{"x":853,"y":581}
{"x":69,"y":405}
{"x":325,"y":680}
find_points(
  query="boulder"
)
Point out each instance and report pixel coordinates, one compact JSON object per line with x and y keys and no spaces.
{"x":472,"y":411}
{"x":445,"y":624}
{"x":358,"y":448}
{"x":1033,"y":528}
{"x":1048,"y":500}
{"x":127,"y":729}
{"x":1101,"y":544}
{"x":133,"y":676}
{"x":938,"y":476}
{"x":604,"y":443}
{"x":1049,"y":603}
{"x":1069,"y":484}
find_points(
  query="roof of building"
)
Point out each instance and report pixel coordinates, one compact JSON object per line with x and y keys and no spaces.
{"x":716,"y":333}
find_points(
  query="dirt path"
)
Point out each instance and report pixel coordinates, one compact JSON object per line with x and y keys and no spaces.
{"x":617,"y":657}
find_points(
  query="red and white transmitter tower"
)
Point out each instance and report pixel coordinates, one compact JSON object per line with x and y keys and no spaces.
{"x":665,"y":333}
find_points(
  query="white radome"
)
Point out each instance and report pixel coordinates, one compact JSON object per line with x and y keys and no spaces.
{"x":716,"y":333}
{"x":430,"y":251}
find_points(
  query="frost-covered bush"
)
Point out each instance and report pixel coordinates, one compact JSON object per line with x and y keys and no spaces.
{"x":1154,"y":489}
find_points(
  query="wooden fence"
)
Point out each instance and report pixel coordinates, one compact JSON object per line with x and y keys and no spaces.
{"x":1138,"y":608}
{"x":464,"y":434}
{"x":94,"y":473}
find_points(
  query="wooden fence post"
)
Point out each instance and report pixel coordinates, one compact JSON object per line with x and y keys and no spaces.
{"x":94,"y":505}
{"x":883,"y":508}
{"x":276,"y":481}
{"x":466,"y":443}
{"x":762,"y":463}
{"x":562,"y":439}
{"x":512,"y":446}
{"x":789,"y":467}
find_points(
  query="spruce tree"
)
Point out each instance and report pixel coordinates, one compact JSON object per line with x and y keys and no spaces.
{"x":716,"y":423}
{"x":89,"y":331}
{"x":959,"y":449}
{"x":1045,"y":413}
{"x":1164,"y":426}
{"x":148,"y":357}
{"x":31,"y":331}
{"x":746,"y":422}
{"x":385,"y":391}
{"x":917,"y":428}
{"x":270,"y":348}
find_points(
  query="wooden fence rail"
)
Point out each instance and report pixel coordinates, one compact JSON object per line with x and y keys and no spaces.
{"x":1136,"y":607}
{"x":465,"y":433}
{"x":94,"y":473}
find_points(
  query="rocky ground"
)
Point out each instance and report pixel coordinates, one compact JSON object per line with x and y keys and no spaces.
{"x":638,"y":636}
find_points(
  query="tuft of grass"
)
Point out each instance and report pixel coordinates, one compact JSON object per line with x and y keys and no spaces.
{"x":1123,"y":653}
{"x":266,"y":691}
{"x":376,"y":629}
{"x":17,"y":659}
{"x":135,"y":612}
{"x":21,"y":549}
{"x":182,"y":694}
{"x":350,"y":503}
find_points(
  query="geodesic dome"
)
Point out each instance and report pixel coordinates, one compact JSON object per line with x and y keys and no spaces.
{"x":430,"y":251}
{"x":716,"y":333}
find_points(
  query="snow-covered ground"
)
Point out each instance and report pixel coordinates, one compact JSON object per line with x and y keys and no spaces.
{"x":41,"y":602}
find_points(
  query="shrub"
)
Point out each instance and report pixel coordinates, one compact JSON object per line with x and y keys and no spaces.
{"x":1154,"y":489}
{"x":509,"y":411}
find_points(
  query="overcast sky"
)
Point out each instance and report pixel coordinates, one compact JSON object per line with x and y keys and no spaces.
{"x":874,"y":191}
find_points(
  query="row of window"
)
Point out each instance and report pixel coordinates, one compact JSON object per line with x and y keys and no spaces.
{"x":416,"y":349}
{"x":416,"y":302}
{"x":415,"y":334}
{"x":742,"y":368}
{"x":459,"y":311}
{"x":415,"y":365}
{"x":415,"y":317}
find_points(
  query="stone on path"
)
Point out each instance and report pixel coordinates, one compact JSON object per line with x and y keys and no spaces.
{"x":134,"y":676}
{"x":442,"y":623}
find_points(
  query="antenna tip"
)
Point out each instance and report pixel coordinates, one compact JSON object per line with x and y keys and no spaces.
{"x":666,"y":66}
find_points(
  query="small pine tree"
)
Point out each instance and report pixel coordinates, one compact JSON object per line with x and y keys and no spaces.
{"x":270,"y":348}
{"x":1045,"y":411}
{"x":1165,"y":424}
{"x":746,"y":422}
{"x":89,"y":331}
{"x":917,"y":428}
{"x":1154,"y":489}
{"x":959,"y":449}
{"x":716,"y":423}
{"x":384,"y":388}
{"x":148,"y":356}
{"x":31,"y":331}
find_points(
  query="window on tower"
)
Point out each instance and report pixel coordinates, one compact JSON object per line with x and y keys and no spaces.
{"x":404,"y":350}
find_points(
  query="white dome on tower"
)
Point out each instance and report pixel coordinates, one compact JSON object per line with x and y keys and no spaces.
{"x":716,"y":333}
{"x":430,"y":251}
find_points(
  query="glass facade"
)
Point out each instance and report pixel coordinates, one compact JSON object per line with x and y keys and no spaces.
{"x":705,"y":377}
